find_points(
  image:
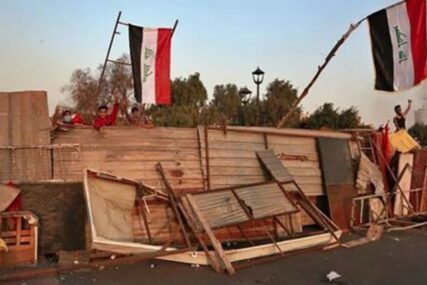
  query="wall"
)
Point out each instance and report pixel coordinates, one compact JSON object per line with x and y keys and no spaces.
{"x":24,"y":126}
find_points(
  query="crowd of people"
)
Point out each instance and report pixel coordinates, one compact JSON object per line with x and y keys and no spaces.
{"x":65,"y":119}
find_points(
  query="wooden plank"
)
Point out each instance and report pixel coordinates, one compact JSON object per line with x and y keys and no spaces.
{"x":418,"y":171}
{"x":290,"y":132}
{"x":340,"y":200}
{"x":401,"y":199}
{"x":270,"y":161}
{"x":336,"y":162}
{"x":215,"y":243}
{"x":258,"y":251}
{"x":291,"y":141}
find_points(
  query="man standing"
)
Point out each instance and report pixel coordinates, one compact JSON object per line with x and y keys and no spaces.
{"x":400,"y":119}
{"x":103,"y":118}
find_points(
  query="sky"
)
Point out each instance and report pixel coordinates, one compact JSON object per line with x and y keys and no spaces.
{"x":43,"y":41}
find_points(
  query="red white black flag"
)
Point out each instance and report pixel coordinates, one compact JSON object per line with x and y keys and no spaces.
{"x":150,"y":51}
{"x":399,"y":45}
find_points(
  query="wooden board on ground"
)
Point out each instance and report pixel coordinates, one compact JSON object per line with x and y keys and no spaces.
{"x":374,"y":233}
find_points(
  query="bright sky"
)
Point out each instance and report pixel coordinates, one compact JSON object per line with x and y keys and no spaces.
{"x":43,"y":41}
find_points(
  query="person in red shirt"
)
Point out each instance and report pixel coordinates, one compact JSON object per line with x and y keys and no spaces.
{"x":63,"y":120}
{"x":103,"y":118}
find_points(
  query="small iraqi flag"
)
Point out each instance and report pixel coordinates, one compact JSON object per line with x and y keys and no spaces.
{"x":399,"y":46}
{"x":150,"y":52}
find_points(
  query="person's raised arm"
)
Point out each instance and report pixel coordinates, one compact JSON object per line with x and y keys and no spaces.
{"x":124,"y":108}
{"x":116,"y":107}
{"x":408,"y":108}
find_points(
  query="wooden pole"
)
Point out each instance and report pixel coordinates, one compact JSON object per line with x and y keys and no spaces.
{"x":285,"y":119}
{"x":101,"y":78}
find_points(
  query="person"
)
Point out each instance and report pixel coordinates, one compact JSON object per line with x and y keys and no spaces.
{"x":66,"y":120}
{"x":103,"y":118}
{"x":400,"y":119}
{"x":137,"y":117}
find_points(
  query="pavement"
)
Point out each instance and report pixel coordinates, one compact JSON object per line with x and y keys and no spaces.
{"x":397,"y":258}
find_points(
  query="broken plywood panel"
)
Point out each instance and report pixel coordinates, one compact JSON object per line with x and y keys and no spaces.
{"x":241,"y":204}
{"x":369,"y":173}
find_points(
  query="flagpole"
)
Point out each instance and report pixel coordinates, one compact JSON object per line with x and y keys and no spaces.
{"x":331,"y":54}
{"x":328,"y":58}
{"x":101,"y":78}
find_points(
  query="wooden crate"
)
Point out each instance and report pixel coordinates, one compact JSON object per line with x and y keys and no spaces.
{"x":19,"y":231}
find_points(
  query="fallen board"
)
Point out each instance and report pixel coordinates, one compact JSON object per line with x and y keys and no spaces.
{"x":240,"y":204}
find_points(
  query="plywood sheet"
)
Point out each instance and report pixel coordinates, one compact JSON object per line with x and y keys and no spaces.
{"x":418,"y":177}
{"x":401,"y":206}
{"x":337,"y":169}
{"x":223,"y":208}
{"x":335,"y":161}
{"x":61,"y":210}
{"x":110,"y":206}
{"x":274,"y":166}
{"x":24,"y":121}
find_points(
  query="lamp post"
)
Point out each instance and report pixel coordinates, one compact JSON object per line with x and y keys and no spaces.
{"x":258,"y":77}
{"x":245,"y":95}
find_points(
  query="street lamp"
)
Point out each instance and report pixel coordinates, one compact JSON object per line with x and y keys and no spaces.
{"x":258,"y":77}
{"x":245,"y":95}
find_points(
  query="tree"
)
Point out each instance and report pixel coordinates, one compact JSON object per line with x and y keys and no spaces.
{"x":83,"y":86}
{"x":189,"y":96}
{"x":226,"y":100}
{"x":326,"y":116}
{"x":279,"y":98}
{"x":419,"y":131}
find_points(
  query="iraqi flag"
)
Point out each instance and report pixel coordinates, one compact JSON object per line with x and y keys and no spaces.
{"x":150,"y":51}
{"x":399,"y":46}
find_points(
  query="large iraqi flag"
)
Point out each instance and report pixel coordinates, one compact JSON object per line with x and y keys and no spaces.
{"x":399,"y":45}
{"x":150,"y":50}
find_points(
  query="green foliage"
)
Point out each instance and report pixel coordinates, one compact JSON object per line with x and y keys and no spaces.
{"x":419,"y":131}
{"x":83,"y":86}
{"x":189,"y":96}
{"x":190,"y":107}
{"x":226,"y":101}
{"x":189,"y":91}
{"x":326,"y":116}
{"x":279,"y":98}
